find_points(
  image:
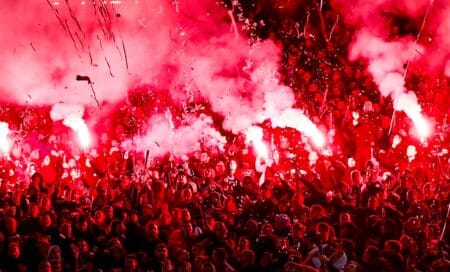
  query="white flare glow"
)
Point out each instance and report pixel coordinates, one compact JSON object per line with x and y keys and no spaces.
{"x":294,"y":118}
{"x":79,"y":126}
{"x":5,"y":144}
{"x":254,"y":135}
{"x":72,"y":116}
{"x":386,"y":64}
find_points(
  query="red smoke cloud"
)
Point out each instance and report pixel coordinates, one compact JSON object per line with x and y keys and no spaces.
{"x":84,"y":55}
{"x":45,"y":46}
{"x":380,"y":18}
{"x":419,"y":43}
{"x":163,"y":137}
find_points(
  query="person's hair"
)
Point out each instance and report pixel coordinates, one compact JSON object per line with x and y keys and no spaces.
{"x":249,"y":254}
{"x":220,"y":253}
{"x":323,"y":226}
{"x":349,"y":246}
{"x":396,"y":245}
{"x":208,"y":264}
{"x":40,"y":177}
{"x":373,"y":252}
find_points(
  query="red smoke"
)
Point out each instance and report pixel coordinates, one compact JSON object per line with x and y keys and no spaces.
{"x":195,"y":53}
{"x":64,"y":52}
{"x":427,"y":17}
{"x":420,"y":44}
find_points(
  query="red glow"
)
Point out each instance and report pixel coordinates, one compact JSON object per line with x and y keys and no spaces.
{"x":181,"y":135}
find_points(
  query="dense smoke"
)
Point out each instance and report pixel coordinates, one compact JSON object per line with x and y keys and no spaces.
{"x":86,"y":55}
{"x":254,"y":135}
{"x":427,"y":17}
{"x":163,"y":137}
{"x":426,"y":21}
{"x":394,"y":49}
{"x":45,"y":48}
{"x":294,"y":118}
{"x":387,"y":66}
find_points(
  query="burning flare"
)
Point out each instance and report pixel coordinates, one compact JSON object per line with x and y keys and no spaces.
{"x":294,"y":118}
{"x":72,"y":117}
{"x":386,"y":64}
{"x":79,"y":126}
{"x":5,"y":144}
{"x":254,"y":135}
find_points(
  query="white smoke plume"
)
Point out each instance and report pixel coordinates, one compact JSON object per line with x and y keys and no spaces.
{"x":387,"y":65}
{"x":72,"y":117}
{"x":185,"y":48}
{"x":161,"y":137}
{"x":5,"y":142}
{"x":296,"y":119}
{"x":254,"y":135}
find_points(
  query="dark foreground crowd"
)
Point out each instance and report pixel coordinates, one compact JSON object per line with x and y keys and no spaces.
{"x":208,"y":213}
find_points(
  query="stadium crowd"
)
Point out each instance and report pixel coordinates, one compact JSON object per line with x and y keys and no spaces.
{"x":218,"y":211}
{"x":375,"y":200}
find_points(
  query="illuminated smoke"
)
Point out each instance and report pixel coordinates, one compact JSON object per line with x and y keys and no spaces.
{"x":254,"y":135}
{"x":81,"y":129}
{"x":188,"y":51}
{"x":376,"y":15}
{"x":42,"y":55}
{"x":162,"y":137}
{"x":408,"y":103}
{"x":296,"y":119}
{"x":5,"y":142}
{"x":72,"y":117}
{"x":251,"y":95}
{"x":386,"y":64}
{"x":423,"y":48}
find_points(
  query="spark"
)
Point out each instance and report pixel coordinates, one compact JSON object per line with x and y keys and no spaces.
{"x":125,"y":54}
{"x":332,"y":28}
{"x":305,"y":28}
{"x":233,"y":23}
{"x":109,"y":67}
{"x":419,"y":34}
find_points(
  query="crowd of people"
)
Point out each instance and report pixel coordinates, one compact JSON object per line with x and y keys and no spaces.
{"x":376,"y":199}
{"x":116,"y":210}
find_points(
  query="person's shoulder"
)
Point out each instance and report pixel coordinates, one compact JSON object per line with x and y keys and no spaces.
{"x":296,"y":267}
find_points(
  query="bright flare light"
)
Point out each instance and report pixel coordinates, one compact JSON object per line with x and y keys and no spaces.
{"x":408,"y":103}
{"x":254,"y":135}
{"x":295,"y":119}
{"x":318,"y":139}
{"x":422,"y":126}
{"x":81,"y":129}
{"x":5,"y":144}
{"x":72,"y":117}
